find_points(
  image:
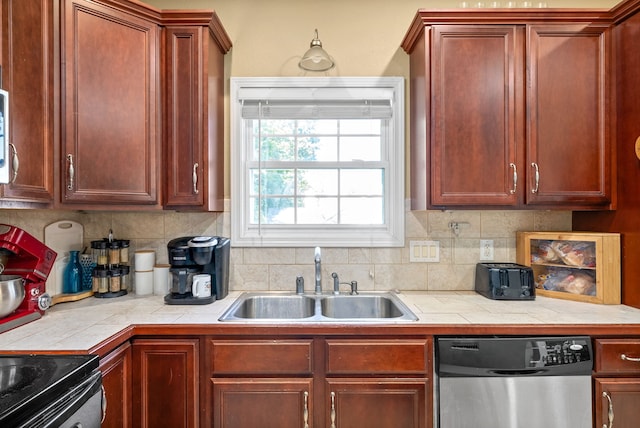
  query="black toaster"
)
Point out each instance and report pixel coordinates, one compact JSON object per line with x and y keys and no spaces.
{"x":505,"y":281}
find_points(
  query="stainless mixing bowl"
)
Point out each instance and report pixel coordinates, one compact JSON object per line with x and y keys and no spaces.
{"x":11,"y":293}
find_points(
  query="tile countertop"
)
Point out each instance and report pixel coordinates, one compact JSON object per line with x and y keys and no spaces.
{"x":79,"y":326}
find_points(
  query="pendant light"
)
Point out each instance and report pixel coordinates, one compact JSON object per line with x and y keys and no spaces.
{"x":316,"y":58}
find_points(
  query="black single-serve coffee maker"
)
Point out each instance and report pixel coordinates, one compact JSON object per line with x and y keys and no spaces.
{"x":194,"y":257}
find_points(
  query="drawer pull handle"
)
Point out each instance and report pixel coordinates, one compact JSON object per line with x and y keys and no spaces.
{"x":610,"y":415}
{"x":333,"y":409}
{"x":195,"y":178}
{"x":15,"y":163}
{"x":625,"y":357}
{"x":305,"y":410}
{"x":537,"y":177}
{"x":515,"y":178}
{"x":72,"y":172}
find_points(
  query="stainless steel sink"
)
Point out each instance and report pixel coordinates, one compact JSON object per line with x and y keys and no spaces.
{"x":364,"y":307}
{"x":359,"y":306}
{"x":270,"y":306}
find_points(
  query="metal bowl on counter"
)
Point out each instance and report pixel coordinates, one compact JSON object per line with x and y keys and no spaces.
{"x":11,"y":293}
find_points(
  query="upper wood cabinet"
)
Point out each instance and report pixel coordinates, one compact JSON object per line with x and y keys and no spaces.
{"x":110,"y":105}
{"x":28,"y":74}
{"x":510,"y":110}
{"x":194,"y":111}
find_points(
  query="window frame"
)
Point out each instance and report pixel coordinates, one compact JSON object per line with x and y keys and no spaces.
{"x":389,"y":234}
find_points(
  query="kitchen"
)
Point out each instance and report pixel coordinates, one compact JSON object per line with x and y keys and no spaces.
{"x":256,"y":269}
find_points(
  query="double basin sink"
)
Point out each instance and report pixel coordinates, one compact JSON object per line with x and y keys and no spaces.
{"x":364,"y":307}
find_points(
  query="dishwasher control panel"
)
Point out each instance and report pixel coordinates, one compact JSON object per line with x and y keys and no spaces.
{"x":507,"y":356}
{"x":552,"y":352}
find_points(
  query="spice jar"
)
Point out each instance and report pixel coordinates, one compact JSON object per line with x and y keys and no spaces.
{"x":125,"y":278}
{"x":114,"y":280}
{"x":99,"y":250}
{"x":114,"y":253}
{"x":124,"y":251}
{"x":100,"y":282}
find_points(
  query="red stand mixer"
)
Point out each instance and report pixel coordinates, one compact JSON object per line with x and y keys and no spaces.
{"x":24,"y":256}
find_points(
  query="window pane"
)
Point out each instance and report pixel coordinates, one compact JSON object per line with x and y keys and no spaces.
{"x":361,"y":211}
{"x":318,"y":211}
{"x":273,"y":182}
{"x":360,"y":148}
{"x":318,"y":181}
{"x":360,"y":126}
{"x":274,"y":148}
{"x":272,"y":211}
{"x":362,"y":182}
{"x":324,"y":149}
{"x":318,"y":126}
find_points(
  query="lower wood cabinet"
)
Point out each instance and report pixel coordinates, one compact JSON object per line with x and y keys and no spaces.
{"x":116,"y":380}
{"x":617,"y":382}
{"x":377,"y":403}
{"x":262,"y":402}
{"x":320,"y":382}
{"x":165,"y":381}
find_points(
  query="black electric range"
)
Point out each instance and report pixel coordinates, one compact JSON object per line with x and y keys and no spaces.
{"x":50,"y":388}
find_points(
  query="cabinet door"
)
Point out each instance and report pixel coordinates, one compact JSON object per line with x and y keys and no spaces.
{"x":194,"y":116}
{"x":110,"y":141}
{"x":616,"y":402}
{"x":262,"y":403}
{"x":116,"y":380}
{"x":185,"y":138}
{"x":476,"y":73}
{"x":28,"y":29}
{"x":376,"y":403}
{"x":569,"y":153}
{"x":165,"y":383}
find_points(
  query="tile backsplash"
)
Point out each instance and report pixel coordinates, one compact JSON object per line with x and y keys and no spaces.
{"x":276,"y":268}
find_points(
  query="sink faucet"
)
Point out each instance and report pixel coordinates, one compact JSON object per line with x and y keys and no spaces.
{"x":317,"y":260}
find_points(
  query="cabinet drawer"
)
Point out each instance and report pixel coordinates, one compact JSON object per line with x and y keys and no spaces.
{"x":261,"y":357}
{"x":377,"y":356}
{"x":618,"y":355}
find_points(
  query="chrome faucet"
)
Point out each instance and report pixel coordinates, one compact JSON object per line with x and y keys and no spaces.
{"x":317,"y":260}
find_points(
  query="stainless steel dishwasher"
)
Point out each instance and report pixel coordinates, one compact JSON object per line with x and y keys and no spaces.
{"x":514,"y":382}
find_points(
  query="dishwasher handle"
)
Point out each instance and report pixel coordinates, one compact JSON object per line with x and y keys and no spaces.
{"x":518,"y":372}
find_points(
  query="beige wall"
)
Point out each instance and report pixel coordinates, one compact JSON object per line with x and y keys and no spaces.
{"x":364,"y":37}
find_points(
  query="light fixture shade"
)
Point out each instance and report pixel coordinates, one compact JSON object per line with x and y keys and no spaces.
{"x":316,"y":58}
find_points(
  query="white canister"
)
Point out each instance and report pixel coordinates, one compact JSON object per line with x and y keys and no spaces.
{"x":143,"y":283}
{"x":201,"y":286}
{"x":161,"y":279}
{"x":144,"y":260}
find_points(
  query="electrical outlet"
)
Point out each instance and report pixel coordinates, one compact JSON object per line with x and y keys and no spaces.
{"x":486,"y":249}
{"x":424,"y":251}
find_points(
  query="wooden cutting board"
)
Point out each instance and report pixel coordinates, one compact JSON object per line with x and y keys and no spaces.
{"x":62,"y":237}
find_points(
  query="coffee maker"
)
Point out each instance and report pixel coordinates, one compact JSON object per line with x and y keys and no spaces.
{"x":193,"y":255}
{"x":25,"y":256}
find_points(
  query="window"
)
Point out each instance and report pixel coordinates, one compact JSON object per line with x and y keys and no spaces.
{"x":317,"y":161}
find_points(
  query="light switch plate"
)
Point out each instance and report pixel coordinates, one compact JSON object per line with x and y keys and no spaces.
{"x":424,"y":251}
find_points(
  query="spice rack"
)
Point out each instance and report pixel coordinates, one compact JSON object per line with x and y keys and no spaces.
{"x":581,"y":266}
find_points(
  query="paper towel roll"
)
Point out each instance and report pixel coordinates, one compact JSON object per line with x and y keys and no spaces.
{"x":161,"y":279}
{"x":144,"y":260}
{"x":143,"y":283}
